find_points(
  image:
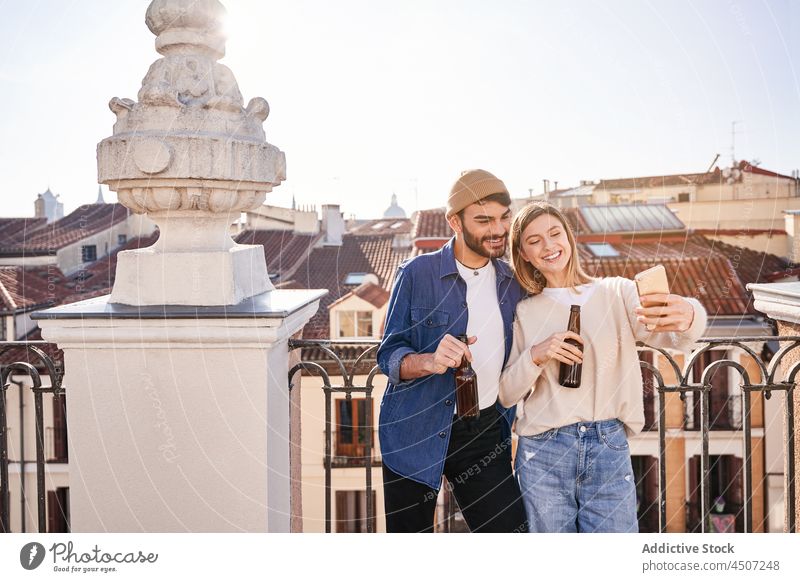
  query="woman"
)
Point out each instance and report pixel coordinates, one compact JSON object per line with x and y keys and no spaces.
{"x":572,"y":457}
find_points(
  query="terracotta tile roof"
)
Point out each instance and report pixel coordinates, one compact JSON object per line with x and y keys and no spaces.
{"x":659,"y":181}
{"x":745,"y":166}
{"x":98,"y":278}
{"x":284,"y":250}
{"x":10,"y":353}
{"x":14,"y":231}
{"x":710,"y":279}
{"x":431,"y":224}
{"x":327,"y":268}
{"x":715,"y":273}
{"x":383,"y":226}
{"x":369,"y":292}
{"x":87,"y":220}
{"x":713,"y":177}
{"x":575,"y":220}
{"x":752,"y":266}
{"x":26,"y":288}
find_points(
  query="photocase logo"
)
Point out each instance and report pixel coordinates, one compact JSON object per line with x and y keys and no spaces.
{"x":31,"y":555}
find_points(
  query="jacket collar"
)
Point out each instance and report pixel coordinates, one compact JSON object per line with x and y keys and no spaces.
{"x":448,"y":262}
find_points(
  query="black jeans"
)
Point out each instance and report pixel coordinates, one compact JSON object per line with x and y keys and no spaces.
{"x":478,"y":466}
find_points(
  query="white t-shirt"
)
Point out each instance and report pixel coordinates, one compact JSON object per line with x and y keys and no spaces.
{"x":486,"y":323}
{"x":568,"y":296}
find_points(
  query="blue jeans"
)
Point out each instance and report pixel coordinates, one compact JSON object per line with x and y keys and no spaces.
{"x":578,"y":478}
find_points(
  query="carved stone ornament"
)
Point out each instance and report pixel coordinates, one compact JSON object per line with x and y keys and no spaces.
{"x":192,"y":157}
{"x":190,"y":125}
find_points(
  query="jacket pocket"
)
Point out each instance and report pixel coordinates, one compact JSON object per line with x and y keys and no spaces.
{"x":429,"y":326}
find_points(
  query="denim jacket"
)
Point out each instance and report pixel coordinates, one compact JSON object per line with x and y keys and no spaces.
{"x":429,"y":300}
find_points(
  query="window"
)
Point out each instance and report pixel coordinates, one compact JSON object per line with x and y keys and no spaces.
{"x":684,"y":197}
{"x":724,"y":412}
{"x":602,"y":250}
{"x":121,"y":239}
{"x":355,"y":324}
{"x":351,"y":512}
{"x":650,"y":393}
{"x":353,"y":432}
{"x":58,"y":510}
{"x":726,"y":493}
{"x":57,"y":435}
{"x":645,"y":472}
{"x":88,"y":253}
{"x":355,"y":278}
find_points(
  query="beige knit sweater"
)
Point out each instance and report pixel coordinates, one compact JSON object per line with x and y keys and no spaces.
{"x":611,"y":382}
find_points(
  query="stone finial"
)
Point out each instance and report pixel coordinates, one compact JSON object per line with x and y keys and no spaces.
{"x":188,"y":153}
{"x":190,"y":124}
{"x":187,"y":23}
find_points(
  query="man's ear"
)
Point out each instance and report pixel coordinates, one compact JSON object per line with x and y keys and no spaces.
{"x":455,"y":223}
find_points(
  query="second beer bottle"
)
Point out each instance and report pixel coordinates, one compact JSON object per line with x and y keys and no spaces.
{"x":467,"y":406}
{"x":569,"y":375}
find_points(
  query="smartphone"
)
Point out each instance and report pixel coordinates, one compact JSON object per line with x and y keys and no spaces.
{"x":653,"y":280}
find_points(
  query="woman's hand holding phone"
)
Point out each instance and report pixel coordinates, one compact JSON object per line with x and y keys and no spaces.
{"x":668,"y":312}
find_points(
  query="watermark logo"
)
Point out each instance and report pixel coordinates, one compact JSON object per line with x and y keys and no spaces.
{"x":31,"y":555}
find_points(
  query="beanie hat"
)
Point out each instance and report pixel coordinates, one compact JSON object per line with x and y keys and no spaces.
{"x":471,"y":187}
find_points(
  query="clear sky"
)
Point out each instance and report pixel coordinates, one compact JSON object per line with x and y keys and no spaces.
{"x":373,"y":97}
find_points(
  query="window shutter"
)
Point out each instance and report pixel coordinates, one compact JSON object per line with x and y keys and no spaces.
{"x":52,"y":508}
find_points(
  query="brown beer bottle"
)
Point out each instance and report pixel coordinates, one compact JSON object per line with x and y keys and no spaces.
{"x":467,"y":406}
{"x":569,"y":375}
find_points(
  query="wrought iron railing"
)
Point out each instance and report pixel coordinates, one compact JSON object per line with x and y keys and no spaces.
{"x":737,"y":414}
{"x":339,"y":362}
{"x":35,"y":364}
{"x":767,"y":383}
{"x":342,"y":360}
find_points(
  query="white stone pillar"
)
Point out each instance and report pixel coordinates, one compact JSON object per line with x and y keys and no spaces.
{"x":177,"y":391}
{"x":781,"y":302}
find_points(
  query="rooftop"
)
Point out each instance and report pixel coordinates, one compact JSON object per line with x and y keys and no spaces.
{"x":284,"y":250}
{"x":328,"y":267}
{"x":87,"y":220}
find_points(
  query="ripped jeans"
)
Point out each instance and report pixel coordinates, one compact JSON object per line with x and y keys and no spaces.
{"x":578,"y":478}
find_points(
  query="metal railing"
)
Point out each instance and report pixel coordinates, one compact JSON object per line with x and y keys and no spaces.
{"x":767,"y":383}
{"x":737,"y":415}
{"x":726,"y":415}
{"x":331,"y":361}
{"x":341,"y":361}
{"x":36,"y":362}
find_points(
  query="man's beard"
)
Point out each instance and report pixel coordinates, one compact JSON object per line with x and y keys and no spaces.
{"x":476,"y":246}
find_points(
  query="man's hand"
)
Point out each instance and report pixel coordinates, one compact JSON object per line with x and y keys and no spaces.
{"x":665,"y":312}
{"x":450,"y":352}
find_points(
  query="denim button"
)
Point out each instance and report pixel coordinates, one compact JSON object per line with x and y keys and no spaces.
{"x":448,"y":402}
{"x":583,"y":429}
{"x":429,"y":322}
{"x":442,"y":434}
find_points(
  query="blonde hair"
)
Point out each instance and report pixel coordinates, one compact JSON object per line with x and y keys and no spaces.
{"x":529,"y":276}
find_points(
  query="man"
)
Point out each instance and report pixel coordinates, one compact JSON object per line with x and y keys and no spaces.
{"x":462,"y":289}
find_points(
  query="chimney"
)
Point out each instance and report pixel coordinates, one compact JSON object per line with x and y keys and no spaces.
{"x":332,"y":224}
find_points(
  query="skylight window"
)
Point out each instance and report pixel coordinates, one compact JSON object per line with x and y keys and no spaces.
{"x":378,"y":225}
{"x":602,"y":250}
{"x":355,"y":278}
{"x":396,"y":225}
